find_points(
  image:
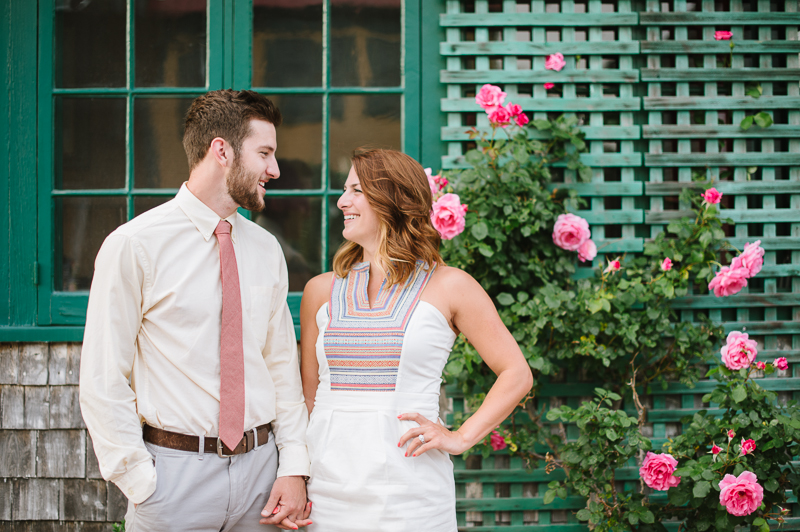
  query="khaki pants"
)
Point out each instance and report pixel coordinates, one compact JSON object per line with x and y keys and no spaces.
{"x":213,"y":494}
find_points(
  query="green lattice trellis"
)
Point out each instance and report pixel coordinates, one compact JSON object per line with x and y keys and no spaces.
{"x":659,"y":103}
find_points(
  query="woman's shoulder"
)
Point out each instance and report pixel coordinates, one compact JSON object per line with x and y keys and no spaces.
{"x":317,"y":291}
{"x":450,"y":277}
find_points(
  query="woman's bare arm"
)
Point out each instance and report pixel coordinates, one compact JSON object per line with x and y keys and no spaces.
{"x":315,"y":295}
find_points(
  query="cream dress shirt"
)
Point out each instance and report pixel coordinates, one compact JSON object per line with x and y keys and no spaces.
{"x":154,"y":318}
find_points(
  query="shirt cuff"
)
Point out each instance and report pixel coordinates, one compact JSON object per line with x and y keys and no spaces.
{"x":139,"y":483}
{"x":293,"y":461}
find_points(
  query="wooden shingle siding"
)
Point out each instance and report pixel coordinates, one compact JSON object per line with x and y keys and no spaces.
{"x":658,"y":103}
{"x":49,"y":477}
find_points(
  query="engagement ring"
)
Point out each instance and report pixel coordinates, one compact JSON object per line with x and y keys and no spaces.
{"x":422,"y":439}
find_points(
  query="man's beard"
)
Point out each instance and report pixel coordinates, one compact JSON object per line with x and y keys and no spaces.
{"x":240,"y":187}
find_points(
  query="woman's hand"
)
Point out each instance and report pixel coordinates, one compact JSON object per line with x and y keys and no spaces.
{"x":436,"y":437}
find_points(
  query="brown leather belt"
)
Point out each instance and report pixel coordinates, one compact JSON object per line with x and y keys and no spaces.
{"x":185,"y":442}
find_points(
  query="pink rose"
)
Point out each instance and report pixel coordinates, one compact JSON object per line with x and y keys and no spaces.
{"x":748,"y":446}
{"x":490,"y":97}
{"x":432,"y":182}
{"x":715,"y":449}
{"x":781,"y":363}
{"x":738,"y":352}
{"x":500,"y":116}
{"x":514,"y":109}
{"x":740,"y":495}
{"x":657,"y":471}
{"x":712,"y":195}
{"x":521,"y":119}
{"x":760,"y":365}
{"x":497,"y":442}
{"x":731,"y":434}
{"x":666,"y":264}
{"x":548,"y":86}
{"x":570,"y":232}
{"x":750,"y":260}
{"x":449,"y":216}
{"x":555,"y":62}
{"x":613,"y":266}
{"x":728,"y":281}
{"x":587,"y":251}
{"x":722,"y":35}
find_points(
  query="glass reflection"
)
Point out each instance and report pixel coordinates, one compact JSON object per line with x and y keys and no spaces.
{"x":358,"y":120}
{"x":365,"y":43}
{"x":89,"y":143}
{"x":145,"y":203}
{"x":159,"y":158}
{"x":287,"y":43}
{"x":89,"y":43}
{"x":84,"y":224}
{"x":170,"y":43}
{"x":295,"y":222}
{"x":299,"y":142}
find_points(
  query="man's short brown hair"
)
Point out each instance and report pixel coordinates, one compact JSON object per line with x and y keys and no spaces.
{"x":225,"y":114}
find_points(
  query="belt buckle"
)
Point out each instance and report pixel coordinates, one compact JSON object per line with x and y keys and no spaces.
{"x":219,"y":450}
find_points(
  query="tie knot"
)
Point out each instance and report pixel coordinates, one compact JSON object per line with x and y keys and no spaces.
{"x":223,"y":228}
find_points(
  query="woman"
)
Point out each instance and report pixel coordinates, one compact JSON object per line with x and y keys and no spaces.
{"x":376,"y":333}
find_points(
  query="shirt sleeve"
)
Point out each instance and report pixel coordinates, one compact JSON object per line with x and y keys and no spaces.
{"x":280,"y":355}
{"x":108,"y":404}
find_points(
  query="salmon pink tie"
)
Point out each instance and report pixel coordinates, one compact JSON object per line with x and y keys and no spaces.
{"x":231,"y":350}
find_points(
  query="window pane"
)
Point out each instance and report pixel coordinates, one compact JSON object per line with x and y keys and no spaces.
{"x":82,"y":223}
{"x":89,"y":143}
{"x":335,"y":228}
{"x":287,"y":43}
{"x":295,"y":222}
{"x":145,"y":203}
{"x":90,"y":44}
{"x":299,"y":142}
{"x":159,"y":157}
{"x":361,"y":120}
{"x":170,"y":43}
{"x":365,"y":43}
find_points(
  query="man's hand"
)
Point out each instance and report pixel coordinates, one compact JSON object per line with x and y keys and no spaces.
{"x":287,"y":507}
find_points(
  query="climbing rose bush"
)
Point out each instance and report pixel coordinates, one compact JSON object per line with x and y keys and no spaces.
{"x":739,"y":351}
{"x":740,"y":495}
{"x":449,"y":216}
{"x":570,"y":232}
{"x":658,"y":471}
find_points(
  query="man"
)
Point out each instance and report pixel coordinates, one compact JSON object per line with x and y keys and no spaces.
{"x":188,"y":301}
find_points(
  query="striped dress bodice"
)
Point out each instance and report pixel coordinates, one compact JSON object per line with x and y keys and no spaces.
{"x":362,"y":344}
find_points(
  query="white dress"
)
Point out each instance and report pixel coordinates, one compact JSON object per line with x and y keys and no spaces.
{"x":383,"y":362}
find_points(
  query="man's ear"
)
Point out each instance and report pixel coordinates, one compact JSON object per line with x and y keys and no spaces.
{"x":221,"y":151}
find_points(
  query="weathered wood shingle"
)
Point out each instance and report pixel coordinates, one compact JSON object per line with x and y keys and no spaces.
{"x":35,"y":498}
{"x":17,"y":450}
{"x":12,"y":407}
{"x":65,"y":410}
{"x":37,"y":407}
{"x":9,"y":363}
{"x":61,"y":454}
{"x":65,"y":362}
{"x":83,"y":500}
{"x":33,"y":364}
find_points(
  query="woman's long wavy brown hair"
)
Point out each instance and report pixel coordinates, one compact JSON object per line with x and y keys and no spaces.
{"x":397,"y":189}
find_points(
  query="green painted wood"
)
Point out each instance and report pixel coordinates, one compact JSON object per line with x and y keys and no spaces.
{"x":719,"y":47}
{"x":537,"y":19}
{"x":600,"y":159}
{"x":719,"y":131}
{"x":412,"y":78}
{"x":740,"y":299}
{"x":725,"y":74}
{"x":240,"y":53}
{"x":724,"y":17}
{"x":601,"y":189}
{"x":432,"y":92}
{"x":748,"y":216}
{"x":6,"y":293}
{"x":635,"y":216}
{"x":531,"y":48}
{"x":720,"y":102}
{"x":726,"y":187}
{"x":768,"y":243}
{"x":41,"y":334}
{"x":543,"y":76}
{"x":720,"y":159}
{"x":591,"y":133}
{"x":552,"y":104}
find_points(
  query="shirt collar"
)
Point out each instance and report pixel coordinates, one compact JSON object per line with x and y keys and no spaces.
{"x":201,"y":215}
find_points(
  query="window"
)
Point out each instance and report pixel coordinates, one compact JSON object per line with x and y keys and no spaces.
{"x":111,"y":113}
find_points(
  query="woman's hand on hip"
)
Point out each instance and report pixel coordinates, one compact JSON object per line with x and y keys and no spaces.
{"x":434,"y":436}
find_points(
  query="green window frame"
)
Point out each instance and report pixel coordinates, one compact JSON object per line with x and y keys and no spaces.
{"x":229,"y":34}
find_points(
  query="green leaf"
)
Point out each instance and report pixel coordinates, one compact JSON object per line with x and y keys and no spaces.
{"x":722,"y":521}
{"x":648,"y":517}
{"x":611,"y":434}
{"x":541,"y":124}
{"x":739,"y":394}
{"x":772,"y":485}
{"x":583,"y":515}
{"x":549,"y":496}
{"x":701,"y":489}
{"x":633,"y":518}
{"x":505,"y":299}
{"x":595,"y":305}
{"x":585,"y":173}
{"x":758,"y":521}
{"x":678,"y":497}
{"x":479,"y":230}
{"x":763,"y":119}
{"x":755,"y":92}
{"x":746,"y":123}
